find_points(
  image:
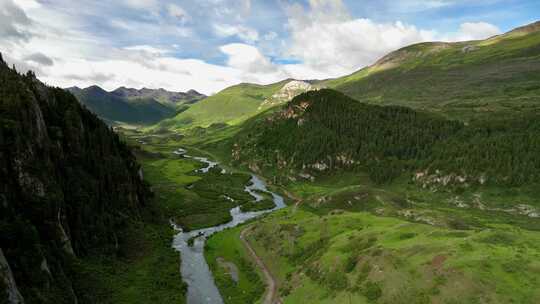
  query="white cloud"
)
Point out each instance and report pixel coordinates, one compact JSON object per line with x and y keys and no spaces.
{"x":148,"y":49}
{"x":474,"y":31}
{"x":244,"y":33}
{"x":247,"y":58}
{"x":27,"y":4}
{"x":332,"y":43}
{"x":324,"y":37}
{"x":328,"y":40}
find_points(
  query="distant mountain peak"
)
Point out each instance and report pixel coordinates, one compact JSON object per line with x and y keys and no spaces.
{"x":94,"y":90}
{"x":134,"y":105}
{"x":155,"y":93}
{"x":94,"y":87}
{"x":194,"y":92}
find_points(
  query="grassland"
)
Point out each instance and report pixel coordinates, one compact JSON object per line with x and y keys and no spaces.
{"x":228,"y":247}
{"x":346,"y":257}
{"x":231,"y":106}
{"x":348,"y":240}
{"x":433,"y":245}
{"x":465,"y":80}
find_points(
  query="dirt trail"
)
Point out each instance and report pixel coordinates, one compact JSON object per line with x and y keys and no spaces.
{"x":298,"y":201}
{"x":271,"y":296}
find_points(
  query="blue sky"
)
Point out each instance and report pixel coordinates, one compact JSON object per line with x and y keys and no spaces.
{"x":211,"y":44}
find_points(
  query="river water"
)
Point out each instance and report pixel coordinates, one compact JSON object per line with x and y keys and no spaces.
{"x":195,"y":272}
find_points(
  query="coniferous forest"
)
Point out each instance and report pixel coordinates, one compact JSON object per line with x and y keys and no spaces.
{"x":68,"y":187}
{"x":325,"y":130}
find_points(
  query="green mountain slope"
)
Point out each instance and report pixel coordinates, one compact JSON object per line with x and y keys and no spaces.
{"x":68,"y":188}
{"x":237,"y":103}
{"x":461,"y":80}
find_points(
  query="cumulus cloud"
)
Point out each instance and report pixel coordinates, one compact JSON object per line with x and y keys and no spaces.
{"x":330,"y":42}
{"x":326,"y":38}
{"x":247,"y":58}
{"x":244,"y":33}
{"x":167,"y":47}
{"x":475,"y":31}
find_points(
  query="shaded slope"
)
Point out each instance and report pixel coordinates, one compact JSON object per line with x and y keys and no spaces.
{"x":119,"y":106}
{"x":167,"y":98}
{"x":68,"y":185}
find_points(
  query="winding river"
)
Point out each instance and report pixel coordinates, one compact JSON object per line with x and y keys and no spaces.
{"x":195,"y":270}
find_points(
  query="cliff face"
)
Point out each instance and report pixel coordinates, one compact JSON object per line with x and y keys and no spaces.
{"x":67,"y":185}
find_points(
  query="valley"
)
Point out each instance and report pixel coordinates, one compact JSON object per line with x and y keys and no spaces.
{"x":438,"y":207}
{"x":415,"y":179}
{"x":372,"y":234}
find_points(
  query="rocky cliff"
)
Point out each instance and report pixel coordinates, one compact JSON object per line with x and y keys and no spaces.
{"x":68,"y":184}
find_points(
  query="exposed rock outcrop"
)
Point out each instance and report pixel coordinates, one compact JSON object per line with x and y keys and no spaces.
{"x":287,"y":92}
{"x":8,"y":282}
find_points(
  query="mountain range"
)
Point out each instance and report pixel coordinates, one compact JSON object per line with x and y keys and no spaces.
{"x":462,"y":80}
{"x":132,"y":106}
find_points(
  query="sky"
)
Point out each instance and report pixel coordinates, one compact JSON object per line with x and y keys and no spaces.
{"x":208,"y":45}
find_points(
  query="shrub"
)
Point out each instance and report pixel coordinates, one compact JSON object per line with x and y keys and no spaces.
{"x":372,"y":291}
{"x":407,"y":235}
{"x":350,"y":263}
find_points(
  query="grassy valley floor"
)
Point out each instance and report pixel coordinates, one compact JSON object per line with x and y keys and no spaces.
{"x":346,"y":257}
{"x":347,"y":240}
{"x":149,"y":268}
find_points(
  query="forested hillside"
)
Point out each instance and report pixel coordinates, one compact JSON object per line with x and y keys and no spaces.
{"x":68,"y":185}
{"x":320,"y":131}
